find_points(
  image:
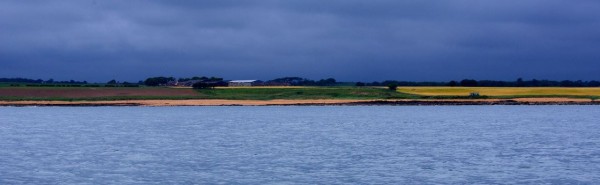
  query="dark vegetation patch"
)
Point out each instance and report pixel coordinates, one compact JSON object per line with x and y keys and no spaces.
{"x":302,"y":93}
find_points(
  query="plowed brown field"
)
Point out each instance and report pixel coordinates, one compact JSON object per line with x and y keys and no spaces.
{"x":43,"y":92}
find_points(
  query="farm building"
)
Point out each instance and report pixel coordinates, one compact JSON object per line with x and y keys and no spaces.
{"x":176,"y":83}
{"x":242,"y":83}
{"x":188,"y":83}
{"x":170,"y":83}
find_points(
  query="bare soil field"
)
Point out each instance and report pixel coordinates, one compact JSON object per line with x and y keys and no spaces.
{"x":49,"y":92}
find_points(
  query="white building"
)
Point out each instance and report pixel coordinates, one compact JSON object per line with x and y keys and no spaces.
{"x":241,"y":83}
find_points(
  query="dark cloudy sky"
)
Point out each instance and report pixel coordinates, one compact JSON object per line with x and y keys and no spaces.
{"x":361,"y":40}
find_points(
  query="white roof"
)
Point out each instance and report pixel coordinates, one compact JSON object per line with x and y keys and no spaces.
{"x":242,"y":81}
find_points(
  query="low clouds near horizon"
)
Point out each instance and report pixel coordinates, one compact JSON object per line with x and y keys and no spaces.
{"x":356,"y":40}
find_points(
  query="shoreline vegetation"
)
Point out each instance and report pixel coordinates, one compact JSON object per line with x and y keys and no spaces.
{"x":295,"y":95}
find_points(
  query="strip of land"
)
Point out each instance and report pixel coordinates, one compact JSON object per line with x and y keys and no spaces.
{"x":519,"y":101}
{"x":261,"y":96}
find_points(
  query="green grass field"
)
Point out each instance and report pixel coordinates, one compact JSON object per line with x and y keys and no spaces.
{"x":302,"y":93}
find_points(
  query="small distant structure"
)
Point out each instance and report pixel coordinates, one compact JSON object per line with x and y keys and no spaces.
{"x":242,"y":83}
{"x":474,"y":94}
{"x":190,"y":83}
{"x":171,"y":83}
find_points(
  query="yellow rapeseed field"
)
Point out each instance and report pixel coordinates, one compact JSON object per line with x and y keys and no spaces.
{"x":500,"y":91}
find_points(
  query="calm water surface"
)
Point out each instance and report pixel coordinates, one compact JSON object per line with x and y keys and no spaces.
{"x":300,"y":145}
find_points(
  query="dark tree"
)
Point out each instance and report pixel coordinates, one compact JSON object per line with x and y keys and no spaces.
{"x":534,"y":83}
{"x":199,"y":78}
{"x":567,"y":83}
{"x":520,"y":82}
{"x":214,"y":79}
{"x":452,"y":83}
{"x":392,"y":86}
{"x":297,"y":81}
{"x":326,"y":82}
{"x":468,"y":83}
{"x":360,"y":84}
{"x":375,"y":84}
{"x":156,"y":81}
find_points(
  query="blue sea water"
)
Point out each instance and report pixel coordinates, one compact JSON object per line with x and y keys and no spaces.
{"x":300,"y":145}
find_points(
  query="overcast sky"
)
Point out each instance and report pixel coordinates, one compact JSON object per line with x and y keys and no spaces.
{"x":355,"y":40}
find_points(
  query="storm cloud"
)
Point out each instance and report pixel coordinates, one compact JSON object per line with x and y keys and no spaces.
{"x":346,"y":39}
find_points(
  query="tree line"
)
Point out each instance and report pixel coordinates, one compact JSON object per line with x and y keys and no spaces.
{"x":524,"y":83}
{"x":490,"y":83}
{"x":39,"y":81}
{"x":161,"y":80}
{"x":299,"y":81}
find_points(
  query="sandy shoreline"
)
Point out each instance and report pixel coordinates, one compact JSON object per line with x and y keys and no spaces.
{"x":519,"y":101}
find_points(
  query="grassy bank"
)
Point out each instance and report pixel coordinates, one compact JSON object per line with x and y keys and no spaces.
{"x":302,"y":93}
